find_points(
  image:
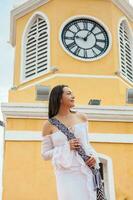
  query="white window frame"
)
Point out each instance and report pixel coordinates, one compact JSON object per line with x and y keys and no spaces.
{"x":131,"y":40}
{"x":108,"y":175}
{"x":23,"y":43}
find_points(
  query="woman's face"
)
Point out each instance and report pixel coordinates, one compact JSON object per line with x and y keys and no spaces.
{"x":68,"y":98}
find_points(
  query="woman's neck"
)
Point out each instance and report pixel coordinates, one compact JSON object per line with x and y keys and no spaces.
{"x":63,"y":112}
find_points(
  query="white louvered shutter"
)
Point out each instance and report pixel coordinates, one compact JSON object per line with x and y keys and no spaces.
{"x":126,"y":52}
{"x":36,"y":50}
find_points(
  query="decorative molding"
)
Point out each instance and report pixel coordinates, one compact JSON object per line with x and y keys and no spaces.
{"x":122,"y":77}
{"x":31,"y":5}
{"x":20,"y":11}
{"x":63,"y":75}
{"x":111,"y":138}
{"x":23,"y":136}
{"x":93,"y":137}
{"x":95,"y":113}
{"x":125,"y":7}
{"x":23,"y":44}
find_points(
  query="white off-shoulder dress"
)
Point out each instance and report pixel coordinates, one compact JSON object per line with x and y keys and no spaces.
{"x":74,"y":178}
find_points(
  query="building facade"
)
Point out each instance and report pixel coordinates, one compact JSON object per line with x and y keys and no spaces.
{"x":87,"y":45}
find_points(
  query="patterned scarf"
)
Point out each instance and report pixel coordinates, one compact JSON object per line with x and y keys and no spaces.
{"x":98,"y":185}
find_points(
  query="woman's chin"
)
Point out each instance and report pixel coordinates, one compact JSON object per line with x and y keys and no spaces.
{"x":72,"y":105}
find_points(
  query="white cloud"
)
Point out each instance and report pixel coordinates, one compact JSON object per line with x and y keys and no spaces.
{"x":131,"y":2}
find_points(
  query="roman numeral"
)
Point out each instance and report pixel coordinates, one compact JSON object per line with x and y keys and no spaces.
{"x":85,"y":53}
{"x":69,"y":38}
{"x":94,"y":52}
{"x":76,"y":52}
{"x":85,"y":25}
{"x":99,"y":40}
{"x":93,"y":28}
{"x":98,"y":33}
{"x":77,"y":26}
{"x":72,"y":31}
{"x":98,"y":47}
{"x":71,"y":45}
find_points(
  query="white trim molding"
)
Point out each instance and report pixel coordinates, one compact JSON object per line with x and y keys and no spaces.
{"x":20,"y":11}
{"x":21,"y":135}
{"x":111,"y":138}
{"x":31,"y":5}
{"x":23,"y":46}
{"x":125,"y":7}
{"x":94,"y":112}
{"x":64,"y":75}
{"x":130,"y":35}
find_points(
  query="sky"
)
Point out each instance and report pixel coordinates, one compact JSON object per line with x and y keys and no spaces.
{"x":6,"y":50}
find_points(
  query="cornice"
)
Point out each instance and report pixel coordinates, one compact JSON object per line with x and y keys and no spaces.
{"x":30,"y":5}
{"x":94,"y":113}
{"x":125,"y":7}
{"x":20,"y":11}
{"x":22,"y":135}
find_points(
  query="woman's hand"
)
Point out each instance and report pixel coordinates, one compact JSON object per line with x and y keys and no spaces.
{"x":74,"y":144}
{"x":91,"y":162}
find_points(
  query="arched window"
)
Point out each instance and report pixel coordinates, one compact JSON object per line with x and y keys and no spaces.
{"x":35,"y":52}
{"x":126,"y":54}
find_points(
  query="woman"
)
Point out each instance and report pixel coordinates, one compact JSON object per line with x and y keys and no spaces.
{"x":74,"y":177}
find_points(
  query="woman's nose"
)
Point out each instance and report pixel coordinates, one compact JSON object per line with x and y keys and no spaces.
{"x":73,"y":97}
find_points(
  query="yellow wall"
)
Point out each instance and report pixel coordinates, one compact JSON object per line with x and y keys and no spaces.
{"x":28,"y":177}
{"x":94,"y":126}
{"x":108,"y":65}
{"x":24,"y":164}
{"x":121,"y":155}
{"x":110,"y":91}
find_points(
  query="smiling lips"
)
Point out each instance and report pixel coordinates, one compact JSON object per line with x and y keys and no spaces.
{"x":72,"y":100}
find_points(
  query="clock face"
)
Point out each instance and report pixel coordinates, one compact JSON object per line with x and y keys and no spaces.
{"x":85,"y":39}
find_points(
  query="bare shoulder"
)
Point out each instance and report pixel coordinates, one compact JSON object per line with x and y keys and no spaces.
{"x":83,"y":117}
{"x":47,"y":128}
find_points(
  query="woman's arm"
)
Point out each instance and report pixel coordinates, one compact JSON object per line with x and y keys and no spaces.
{"x":47,"y":147}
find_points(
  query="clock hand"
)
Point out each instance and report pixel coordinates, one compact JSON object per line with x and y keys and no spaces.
{"x":85,"y":39}
{"x":79,"y":37}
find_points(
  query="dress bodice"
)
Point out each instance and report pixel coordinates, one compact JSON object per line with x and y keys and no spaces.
{"x":60,"y":142}
{"x":59,"y":148}
{"x":79,"y":130}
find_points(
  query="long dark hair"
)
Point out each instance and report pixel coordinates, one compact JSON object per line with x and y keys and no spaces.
{"x":54,"y":100}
